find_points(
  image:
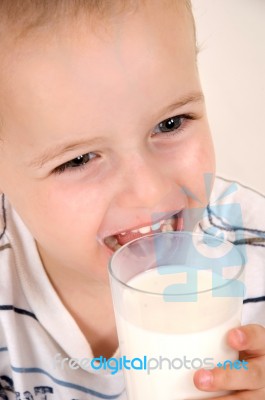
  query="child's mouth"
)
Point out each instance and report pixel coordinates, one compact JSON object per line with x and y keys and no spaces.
{"x":174,"y":223}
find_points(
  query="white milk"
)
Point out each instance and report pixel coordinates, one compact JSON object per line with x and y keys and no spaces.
{"x":149,"y":326}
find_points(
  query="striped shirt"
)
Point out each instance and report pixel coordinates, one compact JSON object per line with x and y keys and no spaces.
{"x":36,"y":330}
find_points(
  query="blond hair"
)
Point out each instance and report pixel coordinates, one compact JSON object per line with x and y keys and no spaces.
{"x":24,"y":16}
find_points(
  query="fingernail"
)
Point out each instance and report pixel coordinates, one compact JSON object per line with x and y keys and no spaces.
{"x":205,"y":378}
{"x":240,"y":336}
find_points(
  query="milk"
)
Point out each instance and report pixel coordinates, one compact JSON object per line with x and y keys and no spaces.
{"x":195,"y":331}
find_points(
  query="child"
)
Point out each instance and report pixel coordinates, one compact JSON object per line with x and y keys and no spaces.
{"x":103,"y":124}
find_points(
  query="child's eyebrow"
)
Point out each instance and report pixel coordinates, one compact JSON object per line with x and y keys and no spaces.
{"x":63,"y":148}
{"x":196,"y":97}
{"x":56,"y":151}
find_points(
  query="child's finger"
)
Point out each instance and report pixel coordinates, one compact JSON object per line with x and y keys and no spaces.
{"x":219,"y":379}
{"x":250,"y":338}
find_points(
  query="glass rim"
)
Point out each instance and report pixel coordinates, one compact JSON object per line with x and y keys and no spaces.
{"x":184,"y":233}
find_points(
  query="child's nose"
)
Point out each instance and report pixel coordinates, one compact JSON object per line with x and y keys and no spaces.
{"x":144,"y":184}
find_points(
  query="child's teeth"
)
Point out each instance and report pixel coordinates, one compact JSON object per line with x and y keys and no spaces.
{"x":111,"y":241}
{"x":145,"y":229}
{"x":155,"y":227}
{"x":167,"y":228}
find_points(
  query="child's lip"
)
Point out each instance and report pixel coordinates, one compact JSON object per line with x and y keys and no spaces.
{"x":115,"y":240}
{"x":161,"y":216}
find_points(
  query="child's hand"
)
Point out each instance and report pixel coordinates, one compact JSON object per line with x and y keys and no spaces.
{"x":248,"y":384}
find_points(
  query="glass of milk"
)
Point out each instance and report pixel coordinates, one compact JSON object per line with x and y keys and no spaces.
{"x":175,"y":295}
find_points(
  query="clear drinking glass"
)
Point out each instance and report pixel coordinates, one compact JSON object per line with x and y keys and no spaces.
{"x":175,"y":295}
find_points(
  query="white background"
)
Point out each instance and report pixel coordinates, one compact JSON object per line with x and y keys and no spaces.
{"x":231,"y":38}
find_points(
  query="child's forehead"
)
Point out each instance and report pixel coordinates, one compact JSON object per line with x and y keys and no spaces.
{"x":147,"y":16}
{"x":25,"y":18}
{"x":49,"y":72}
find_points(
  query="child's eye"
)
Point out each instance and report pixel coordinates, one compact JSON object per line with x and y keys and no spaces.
{"x":78,"y":162}
{"x":172,"y":125}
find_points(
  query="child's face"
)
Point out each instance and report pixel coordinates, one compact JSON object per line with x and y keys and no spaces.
{"x":103,"y":95}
